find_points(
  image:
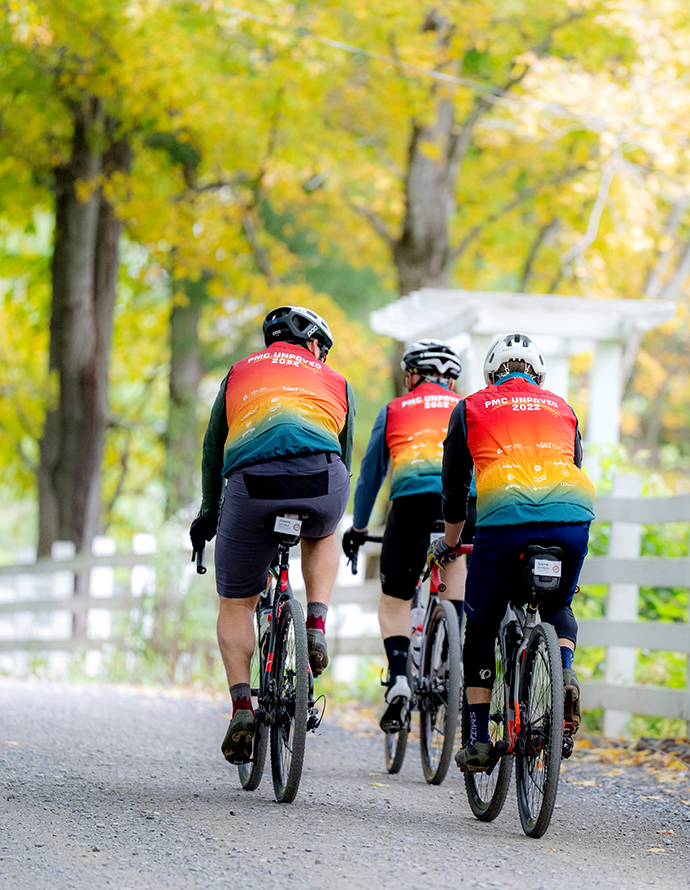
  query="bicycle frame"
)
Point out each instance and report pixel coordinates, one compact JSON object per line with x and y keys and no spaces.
{"x":512,"y":657}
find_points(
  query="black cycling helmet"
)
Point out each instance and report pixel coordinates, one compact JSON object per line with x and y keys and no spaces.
{"x":431,"y":358}
{"x":297,"y":323}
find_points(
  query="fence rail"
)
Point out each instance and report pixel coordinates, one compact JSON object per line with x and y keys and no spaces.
{"x":623,"y":570}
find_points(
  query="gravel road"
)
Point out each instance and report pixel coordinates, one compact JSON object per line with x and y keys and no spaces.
{"x":104,"y":787}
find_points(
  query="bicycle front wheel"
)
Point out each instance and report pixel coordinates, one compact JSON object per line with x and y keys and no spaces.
{"x":439,"y":702}
{"x":540,"y":741}
{"x":486,"y":792}
{"x":252,"y":773}
{"x":291,"y":686}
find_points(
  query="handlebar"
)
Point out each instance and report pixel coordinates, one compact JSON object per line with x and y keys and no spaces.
{"x":200,"y":556}
{"x":460,"y":550}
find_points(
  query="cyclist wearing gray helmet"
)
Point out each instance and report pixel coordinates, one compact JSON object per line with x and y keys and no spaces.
{"x":408,"y":434}
{"x":279,"y":437}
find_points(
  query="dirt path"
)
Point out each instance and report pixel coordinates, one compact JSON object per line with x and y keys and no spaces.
{"x":100,"y":787}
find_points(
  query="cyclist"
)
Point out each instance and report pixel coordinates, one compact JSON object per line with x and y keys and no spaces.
{"x":279,"y":438}
{"x":408,"y":433}
{"x":524,"y":445}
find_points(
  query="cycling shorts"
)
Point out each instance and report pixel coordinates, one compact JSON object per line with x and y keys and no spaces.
{"x":494,"y":567}
{"x":246,"y":544}
{"x":406,"y":540}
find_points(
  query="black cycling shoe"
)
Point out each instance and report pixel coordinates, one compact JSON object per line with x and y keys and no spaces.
{"x":394,"y":718}
{"x":477,"y":757}
{"x":239,"y":739}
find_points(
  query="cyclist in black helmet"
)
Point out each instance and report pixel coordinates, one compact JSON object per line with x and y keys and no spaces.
{"x":279,"y":438}
{"x":408,"y":433}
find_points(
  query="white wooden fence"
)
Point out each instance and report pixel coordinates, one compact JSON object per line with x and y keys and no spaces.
{"x":37,"y":605}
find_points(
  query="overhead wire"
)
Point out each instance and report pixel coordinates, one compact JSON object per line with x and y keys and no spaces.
{"x":492,"y":94}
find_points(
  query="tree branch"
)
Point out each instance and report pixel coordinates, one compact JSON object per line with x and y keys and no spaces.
{"x":542,"y":234}
{"x":374,"y":221}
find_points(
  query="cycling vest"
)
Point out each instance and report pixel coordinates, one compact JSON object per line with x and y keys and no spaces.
{"x":522,"y":441}
{"x":280,"y":402}
{"x":416,"y":425}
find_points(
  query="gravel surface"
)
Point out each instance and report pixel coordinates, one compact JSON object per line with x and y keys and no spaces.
{"x":108,"y":787}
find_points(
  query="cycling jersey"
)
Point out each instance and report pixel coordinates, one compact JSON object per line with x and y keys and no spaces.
{"x":277,"y":403}
{"x":524,"y":444}
{"x":408,"y":433}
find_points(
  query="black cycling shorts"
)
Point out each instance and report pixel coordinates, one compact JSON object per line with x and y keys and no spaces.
{"x":317,"y":484}
{"x":406,"y":541}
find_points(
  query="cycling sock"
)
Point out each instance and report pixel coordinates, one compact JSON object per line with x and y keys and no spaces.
{"x":479,"y":722}
{"x":567,"y":656}
{"x":316,"y":616}
{"x":241,"y":694}
{"x":396,"y":652}
{"x":459,"y":608}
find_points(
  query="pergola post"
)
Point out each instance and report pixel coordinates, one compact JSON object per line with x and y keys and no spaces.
{"x":603,"y":419}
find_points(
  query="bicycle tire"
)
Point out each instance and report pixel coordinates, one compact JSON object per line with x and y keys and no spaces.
{"x":394,"y":746}
{"x":291,"y":679}
{"x":439,"y":703}
{"x":251,"y":773}
{"x":540,"y":741}
{"x":487,"y":792}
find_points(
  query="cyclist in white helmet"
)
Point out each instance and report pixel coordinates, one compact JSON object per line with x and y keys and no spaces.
{"x":408,"y":434}
{"x":523,"y":444}
{"x":279,"y":437}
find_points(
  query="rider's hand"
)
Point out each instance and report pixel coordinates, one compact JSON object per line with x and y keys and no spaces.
{"x":437,"y":554}
{"x":352,"y":541}
{"x":201,"y":530}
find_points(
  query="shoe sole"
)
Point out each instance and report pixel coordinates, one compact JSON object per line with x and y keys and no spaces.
{"x":570,"y":718}
{"x":392,"y":720}
{"x":240,"y":749}
{"x":318,"y":662}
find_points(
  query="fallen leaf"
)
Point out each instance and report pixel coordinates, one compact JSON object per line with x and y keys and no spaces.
{"x":381,"y":785}
{"x":591,"y":783}
{"x":10,"y":743}
{"x":651,"y":796}
{"x":656,"y":850}
{"x":665,"y":831}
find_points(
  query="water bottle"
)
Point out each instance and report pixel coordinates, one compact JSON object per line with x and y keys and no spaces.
{"x":416,"y":638}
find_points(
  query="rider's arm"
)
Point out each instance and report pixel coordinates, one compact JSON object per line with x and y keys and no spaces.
{"x":372,"y":472}
{"x":347,"y":434}
{"x":212,"y":455}
{"x":578,"y":448}
{"x":456,"y":473}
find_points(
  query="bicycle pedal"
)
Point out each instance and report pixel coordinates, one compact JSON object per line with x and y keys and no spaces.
{"x":568,"y":745}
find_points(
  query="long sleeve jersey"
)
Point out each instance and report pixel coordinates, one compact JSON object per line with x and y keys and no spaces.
{"x":524,"y":445}
{"x":408,"y":433}
{"x":279,"y":402}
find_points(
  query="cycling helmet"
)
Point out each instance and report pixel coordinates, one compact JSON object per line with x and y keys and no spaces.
{"x":516,"y":348}
{"x":297,"y":323}
{"x":431,"y":358}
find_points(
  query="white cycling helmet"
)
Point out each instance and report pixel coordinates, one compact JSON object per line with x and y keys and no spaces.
{"x":514,"y":348}
{"x":431,"y":358}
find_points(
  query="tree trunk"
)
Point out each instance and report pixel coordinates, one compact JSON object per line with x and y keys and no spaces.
{"x":186,"y":372}
{"x":84,"y":272}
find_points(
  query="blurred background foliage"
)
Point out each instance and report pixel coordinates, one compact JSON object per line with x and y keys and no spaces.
{"x":302,"y":153}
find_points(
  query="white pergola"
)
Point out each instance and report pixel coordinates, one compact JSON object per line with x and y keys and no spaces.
{"x":563,"y":326}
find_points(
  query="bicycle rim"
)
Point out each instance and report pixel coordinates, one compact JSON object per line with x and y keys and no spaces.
{"x":486,"y":792}
{"x":291,"y":678}
{"x":440,"y":699}
{"x":252,"y":773}
{"x":540,"y":742}
{"x":395,"y":745}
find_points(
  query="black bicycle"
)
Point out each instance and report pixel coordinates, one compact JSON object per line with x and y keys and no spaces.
{"x":435,"y":682}
{"x":281,"y":678}
{"x":526,"y":711}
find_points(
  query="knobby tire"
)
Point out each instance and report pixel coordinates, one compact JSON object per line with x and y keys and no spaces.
{"x":439,"y":702}
{"x":540,"y":742}
{"x":395,"y":745}
{"x":291,"y":677}
{"x":252,"y":773}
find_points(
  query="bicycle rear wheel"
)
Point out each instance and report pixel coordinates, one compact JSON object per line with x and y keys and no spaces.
{"x":252,"y":773}
{"x":439,"y":702}
{"x":291,"y":679}
{"x":486,"y":792}
{"x":540,"y":742}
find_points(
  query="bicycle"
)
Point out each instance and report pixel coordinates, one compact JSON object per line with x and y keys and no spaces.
{"x":435,"y":681}
{"x":281,"y":677}
{"x":526,"y":711}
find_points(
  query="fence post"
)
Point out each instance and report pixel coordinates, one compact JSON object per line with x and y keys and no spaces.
{"x":61,"y":621}
{"x":622,"y":603}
